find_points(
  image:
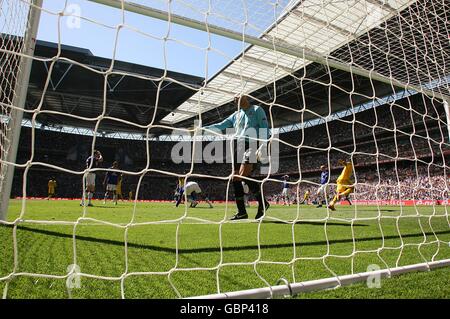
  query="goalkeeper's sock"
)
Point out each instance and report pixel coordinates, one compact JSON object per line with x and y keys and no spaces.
{"x":242,"y":212}
{"x":260,"y":199}
{"x":90,"y":195}
{"x":239,"y":195}
{"x":263,"y":204}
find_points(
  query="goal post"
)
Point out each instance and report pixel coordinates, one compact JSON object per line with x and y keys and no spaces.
{"x":16,"y":58}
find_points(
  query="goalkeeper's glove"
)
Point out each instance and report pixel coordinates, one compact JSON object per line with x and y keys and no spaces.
{"x":262,"y":153}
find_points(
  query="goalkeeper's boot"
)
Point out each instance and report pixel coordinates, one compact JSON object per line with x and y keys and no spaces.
{"x":238,"y":216}
{"x":331,"y":207}
{"x":260,"y":212}
{"x":242,"y":212}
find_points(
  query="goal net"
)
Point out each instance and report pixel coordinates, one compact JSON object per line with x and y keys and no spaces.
{"x":352,"y":184}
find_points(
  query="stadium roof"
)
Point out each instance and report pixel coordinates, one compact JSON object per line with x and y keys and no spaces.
{"x":77,"y":89}
{"x":359,"y":32}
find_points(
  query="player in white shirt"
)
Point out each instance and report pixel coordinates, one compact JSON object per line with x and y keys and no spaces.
{"x":94,"y":160}
{"x":192,"y":189}
{"x":285,"y":191}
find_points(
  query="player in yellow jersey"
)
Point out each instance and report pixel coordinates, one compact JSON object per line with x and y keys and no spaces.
{"x":51,"y":185}
{"x":119,"y":188}
{"x":181,"y":181}
{"x":344,"y":183}
{"x":306,"y":197}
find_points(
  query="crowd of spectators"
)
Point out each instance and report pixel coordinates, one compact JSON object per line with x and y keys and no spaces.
{"x":409,"y":162}
{"x":386,"y":183}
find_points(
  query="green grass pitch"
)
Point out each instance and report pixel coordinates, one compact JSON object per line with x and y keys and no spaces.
{"x":193,"y":253}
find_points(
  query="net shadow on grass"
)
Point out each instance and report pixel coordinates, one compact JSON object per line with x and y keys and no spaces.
{"x":217,"y":249}
{"x":112,"y":206}
{"x":302,"y":222}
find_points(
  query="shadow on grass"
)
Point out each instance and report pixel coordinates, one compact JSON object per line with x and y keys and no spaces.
{"x":302,"y":222}
{"x":378,"y":210}
{"x":216,"y":249}
{"x":109,"y":207}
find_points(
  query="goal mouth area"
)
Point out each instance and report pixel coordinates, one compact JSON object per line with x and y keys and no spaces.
{"x":354,"y":112}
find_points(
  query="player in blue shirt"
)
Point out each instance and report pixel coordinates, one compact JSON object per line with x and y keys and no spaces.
{"x":91,"y":162}
{"x":179,"y":191}
{"x":110,"y":181}
{"x":249,"y":122}
{"x":285,"y":191}
{"x":192,"y":190}
{"x":322,"y":191}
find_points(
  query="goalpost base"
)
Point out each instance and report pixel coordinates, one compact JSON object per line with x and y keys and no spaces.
{"x":326,"y":283}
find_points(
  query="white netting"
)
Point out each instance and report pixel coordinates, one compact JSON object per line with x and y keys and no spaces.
{"x":362,"y":81}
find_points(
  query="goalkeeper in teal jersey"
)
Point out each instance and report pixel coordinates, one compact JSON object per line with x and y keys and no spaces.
{"x":251,"y":127}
